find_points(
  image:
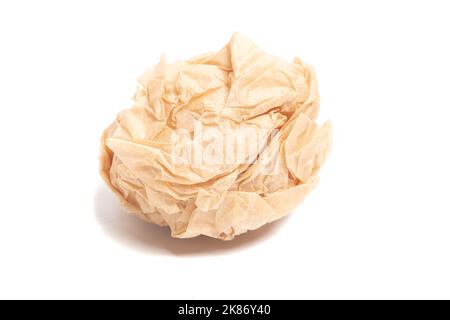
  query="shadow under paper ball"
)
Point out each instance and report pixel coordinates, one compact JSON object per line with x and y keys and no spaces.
{"x":141,"y":235}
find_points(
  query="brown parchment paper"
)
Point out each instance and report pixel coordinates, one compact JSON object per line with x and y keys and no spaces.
{"x":237,"y":87}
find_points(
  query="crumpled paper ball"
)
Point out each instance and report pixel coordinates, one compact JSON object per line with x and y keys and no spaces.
{"x":217,"y":145}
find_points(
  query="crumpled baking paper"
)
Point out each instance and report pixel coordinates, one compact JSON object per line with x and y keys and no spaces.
{"x":237,"y":87}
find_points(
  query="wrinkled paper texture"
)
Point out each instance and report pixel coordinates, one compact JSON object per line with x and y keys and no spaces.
{"x":239,"y":87}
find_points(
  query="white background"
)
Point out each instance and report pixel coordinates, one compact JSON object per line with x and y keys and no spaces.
{"x":377,"y":226}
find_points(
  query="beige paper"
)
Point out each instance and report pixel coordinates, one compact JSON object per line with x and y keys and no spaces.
{"x":219,"y":144}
